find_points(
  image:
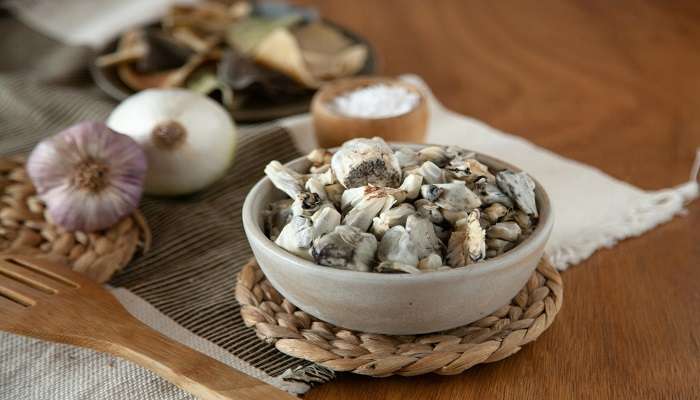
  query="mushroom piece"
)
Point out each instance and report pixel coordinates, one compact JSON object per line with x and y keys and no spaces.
{"x":431,"y":263}
{"x":360,"y":162}
{"x":467,"y":244}
{"x":285,"y":179}
{"x":391,"y":217}
{"x":319,"y":157}
{"x":522,"y":219}
{"x":334,"y":194}
{"x":495,"y":211}
{"x":458,"y":152}
{"x":406,"y":157}
{"x":521,"y":188}
{"x":306,"y":203}
{"x":325,"y":220}
{"x":317,"y":183}
{"x":411,"y":185}
{"x":423,"y":237}
{"x":276,"y":216}
{"x":469,"y":170}
{"x":435,"y":154}
{"x":442,"y":233}
{"x":351,"y":197}
{"x":496,"y":247}
{"x":489,"y":194}
{"x":453,"y":216}
{"x":396,"y":251}
{"x":454,"y":196}
{"x":345,"y":248}
{"x":296,"y":237}
{"x":430,"y":172}
{"x":371,"y":204}
{"x":429,"y":210}
{"x":509,"y":231}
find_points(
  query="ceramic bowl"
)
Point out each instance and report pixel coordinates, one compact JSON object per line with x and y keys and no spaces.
{"x":397,"y":304}
{"x":333,"y":128}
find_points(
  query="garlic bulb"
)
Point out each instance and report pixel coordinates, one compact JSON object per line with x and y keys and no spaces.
{"x":89,"y":176}
{"x":189,"y":139}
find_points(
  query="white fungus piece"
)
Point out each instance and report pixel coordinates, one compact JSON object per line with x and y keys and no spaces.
{"x":509,"y":231}
{"x":429,"y":210}
{"x":319,"y":157}
{"x":306,"y":203}
{"x":391,"y":217}
{"x":351,"y":197}
{"x":411,"y":185}
{"x":521,"y":188}
{"x":435,"y":154}
{"x":316,"y":183}
{"x":469,"y":170}
{"x":276,"y":216}
{"x":454,"y":196}
{"x":371,"y":204}
{"x":325,"y":220}
{"x":407,"y":157}
{"x":430,"y":172}
{"x":489,"y":194}
{"x":453,"y":216}
{"x":361,"y":162}
{"x":467,"y":243}
{"x":396,"y":248}
{"x":296,"y":237}
{"x":423,"y":237}
{"x":431,"y":263}
{"x":345,"y":248}
{"x":495,"y":212}
{"x":285,"y":179}
{"x":334,"y":194}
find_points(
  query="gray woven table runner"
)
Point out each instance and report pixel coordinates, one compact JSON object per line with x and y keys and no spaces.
{"x":198,"y":241}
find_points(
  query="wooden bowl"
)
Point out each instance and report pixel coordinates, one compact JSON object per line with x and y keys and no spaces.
{"x":333,"y":128}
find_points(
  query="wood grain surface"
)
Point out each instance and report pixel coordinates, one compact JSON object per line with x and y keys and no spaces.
{"x":615,"y":85}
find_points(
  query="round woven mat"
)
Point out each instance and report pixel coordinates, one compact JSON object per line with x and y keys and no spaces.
{"x":25,"y":229}
{"x":490,"y":339}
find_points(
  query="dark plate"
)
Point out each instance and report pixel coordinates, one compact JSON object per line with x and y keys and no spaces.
{"x":108,"y":80}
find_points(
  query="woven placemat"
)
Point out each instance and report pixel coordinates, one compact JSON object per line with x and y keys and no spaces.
{"x":490,"y":339}
{"x":25,"y":229}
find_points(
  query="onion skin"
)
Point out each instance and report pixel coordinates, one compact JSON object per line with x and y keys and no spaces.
{"x":89,"y":176}
{"x":189,"y":139}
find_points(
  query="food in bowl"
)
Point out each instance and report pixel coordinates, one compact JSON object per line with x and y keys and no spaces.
{"x":370,"y":208}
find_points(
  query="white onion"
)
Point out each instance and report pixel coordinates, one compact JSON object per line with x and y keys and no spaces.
{"x":189,"y":139}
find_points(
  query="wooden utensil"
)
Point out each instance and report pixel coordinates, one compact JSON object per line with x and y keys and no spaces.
{"x":48,"y":301}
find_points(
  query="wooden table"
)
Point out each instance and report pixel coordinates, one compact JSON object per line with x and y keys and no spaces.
{"x":615,"y":85}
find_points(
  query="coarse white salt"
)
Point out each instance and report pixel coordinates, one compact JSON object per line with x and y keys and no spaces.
{"x":376,"y":101}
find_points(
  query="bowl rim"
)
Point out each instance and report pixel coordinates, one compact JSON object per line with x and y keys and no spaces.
{"x":530,"y":245}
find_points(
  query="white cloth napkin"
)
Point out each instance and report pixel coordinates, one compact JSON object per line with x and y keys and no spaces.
{"x":591,"y":209}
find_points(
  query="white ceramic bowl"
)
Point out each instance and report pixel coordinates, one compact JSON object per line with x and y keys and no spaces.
{"x":398,"y":304}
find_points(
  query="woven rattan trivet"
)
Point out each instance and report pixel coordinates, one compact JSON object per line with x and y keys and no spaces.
{"x":490,"y":339}
{"x":24,"y":229}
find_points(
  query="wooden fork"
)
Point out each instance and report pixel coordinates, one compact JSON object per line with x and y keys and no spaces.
{"x":48,"y":301}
